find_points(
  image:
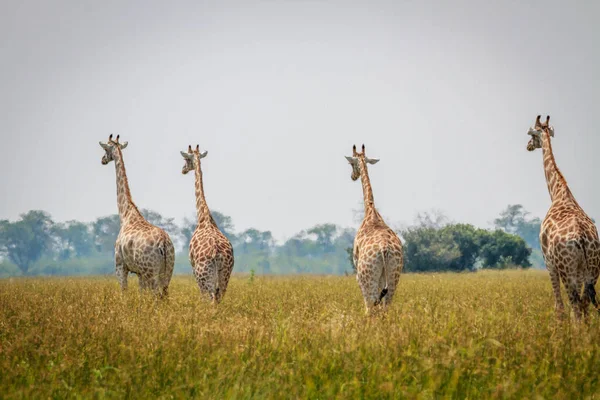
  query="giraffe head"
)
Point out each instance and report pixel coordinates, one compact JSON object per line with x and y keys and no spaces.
{"x":111,"y":147}
{"x":357,"y":160}
{"x":536,"y":133}
{"x":191,"y":158}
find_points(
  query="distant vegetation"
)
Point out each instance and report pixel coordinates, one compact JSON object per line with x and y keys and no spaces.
{"x":37,"y":245}
{"x":493,"y":334}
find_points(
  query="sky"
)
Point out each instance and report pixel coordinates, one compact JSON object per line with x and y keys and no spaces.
{"x":277,"y":92}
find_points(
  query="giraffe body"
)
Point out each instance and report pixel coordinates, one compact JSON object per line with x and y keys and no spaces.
{"x":147,"y":251}
{"x":377,"y":252}
{"x":211,"y":253}
{"x":568,"y":236}
{"x":141,"y":248}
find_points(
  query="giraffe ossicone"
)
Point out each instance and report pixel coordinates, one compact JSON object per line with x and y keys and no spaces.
{"x":211,"y":253}
{"x":568,"y":236}
{"x":377,"y":252}
{"x":141,"y":248}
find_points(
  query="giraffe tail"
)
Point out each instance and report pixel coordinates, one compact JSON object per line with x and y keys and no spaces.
{"x":589,"y":289}
{"x":163,"y":291}
{"x":384,"y":291}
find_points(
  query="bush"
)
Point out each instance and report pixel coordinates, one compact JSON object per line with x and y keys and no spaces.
{"x":460,"y":247}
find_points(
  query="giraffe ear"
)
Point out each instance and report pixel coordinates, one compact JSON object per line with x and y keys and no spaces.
{"x":372,"y":160}
{"x":551,"y":130}
{"x":202,"y":155}
{"x":533,"y":132}
{"x":351,"y":160}
{"x":123,"y":145}
{"x":104,"y":145}
{"x":185,"y":155}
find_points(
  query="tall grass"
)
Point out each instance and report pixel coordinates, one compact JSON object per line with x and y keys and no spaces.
{"x":480,"y":335}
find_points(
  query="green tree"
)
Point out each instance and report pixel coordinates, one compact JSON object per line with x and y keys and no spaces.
{"x":26,"y":240}
{"x":325,"y":236}
{"x":350,"y":255}
{"x":254,"y":250}
{"x":429,"y":249}
{"x":74,"y":238}
{"x":502,"y":250}
{"x":468,"y":239}
{"x":516,"y":220}
{"x":253,"y":240}
{"x":156,"y":219}
{"x":105,"y":231}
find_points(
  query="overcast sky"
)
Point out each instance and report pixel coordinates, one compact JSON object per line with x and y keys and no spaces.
{"x":278,"y":92}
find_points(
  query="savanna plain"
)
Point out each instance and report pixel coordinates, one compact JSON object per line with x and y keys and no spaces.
{"x":473,"y":335}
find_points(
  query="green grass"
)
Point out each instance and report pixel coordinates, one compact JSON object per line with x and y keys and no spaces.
{"x":479,"y":335}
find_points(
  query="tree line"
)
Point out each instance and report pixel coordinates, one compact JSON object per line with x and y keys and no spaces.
{"x":35,"y":244}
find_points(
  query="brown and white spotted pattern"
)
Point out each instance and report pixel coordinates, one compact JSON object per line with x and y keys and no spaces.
{"x":211,"y":253}
{"x":568,"y":237}
{"x":377,"y":249}
{"x":141,"y":248}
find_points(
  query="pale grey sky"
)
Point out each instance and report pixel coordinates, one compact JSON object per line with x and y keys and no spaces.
{"x":278,"y":91}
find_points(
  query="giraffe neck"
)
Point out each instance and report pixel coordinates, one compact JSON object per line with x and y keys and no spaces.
{"x":127,"y":208}
{"x":370,"y":211}
{"x":557,"y":185}
{"x":202,"y":210}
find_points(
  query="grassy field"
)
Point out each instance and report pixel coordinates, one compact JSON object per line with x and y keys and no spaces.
{"x":485,"y":334}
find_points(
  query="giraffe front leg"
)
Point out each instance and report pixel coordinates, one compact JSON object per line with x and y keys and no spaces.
{"x":120,"y":269}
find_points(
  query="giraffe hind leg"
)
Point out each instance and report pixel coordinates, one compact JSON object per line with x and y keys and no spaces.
{"x":573,"y":290}
{"x":384,"y":290}
{"x":369,"y":287}
{"x":393,"y":275}
{"x":558,"y":302}
{"x":120,"y":269}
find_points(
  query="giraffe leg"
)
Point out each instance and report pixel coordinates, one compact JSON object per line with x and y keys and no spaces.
{"x":166,"y":279}
{"x":143,"y":282}
{"x":224,"y":275}
{"x":558,"y":302}
{"x":204,"y":281}
{"x":584,"y":300}
{"x":369,"y":287}
{"x":393,"y":278}
{"x":573,"y":290}
{"x":120,"y":270}
{"x":165,"y":273}
{"x":156,"y":284}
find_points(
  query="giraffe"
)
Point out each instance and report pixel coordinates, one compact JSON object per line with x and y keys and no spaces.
{"x":568,"y":237}
{"x":141,"y":248}
{"x":377,"y":249}
{"x":211,"y":253}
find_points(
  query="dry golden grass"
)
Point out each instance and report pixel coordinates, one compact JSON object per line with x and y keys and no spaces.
{"x":480,"y":335}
